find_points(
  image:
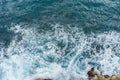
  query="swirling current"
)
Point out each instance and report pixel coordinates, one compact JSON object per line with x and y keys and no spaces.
{"x":58,"y":39}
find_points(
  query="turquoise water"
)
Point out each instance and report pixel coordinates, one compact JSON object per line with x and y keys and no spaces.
{"x":58,"y":39}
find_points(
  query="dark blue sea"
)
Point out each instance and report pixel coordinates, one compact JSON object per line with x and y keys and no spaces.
{"x":58,"y":39}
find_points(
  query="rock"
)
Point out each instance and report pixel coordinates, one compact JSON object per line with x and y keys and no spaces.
{"x":42,"y":79}
{"x":38,"y":79}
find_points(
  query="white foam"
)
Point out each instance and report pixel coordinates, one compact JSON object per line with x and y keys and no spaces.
{"x":38,"y":54}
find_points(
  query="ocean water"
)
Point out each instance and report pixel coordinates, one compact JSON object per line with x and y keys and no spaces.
{"x":58,"y":39}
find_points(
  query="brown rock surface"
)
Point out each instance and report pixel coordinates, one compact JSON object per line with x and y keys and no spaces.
{"x":42,"y":79}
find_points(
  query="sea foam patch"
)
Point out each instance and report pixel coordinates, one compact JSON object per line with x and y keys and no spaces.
{"x":57,"y":56}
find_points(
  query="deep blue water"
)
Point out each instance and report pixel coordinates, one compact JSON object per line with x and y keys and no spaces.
{"x":58,"y":39}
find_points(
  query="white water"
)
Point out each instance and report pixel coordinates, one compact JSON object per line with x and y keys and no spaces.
{"x":39,"y":55}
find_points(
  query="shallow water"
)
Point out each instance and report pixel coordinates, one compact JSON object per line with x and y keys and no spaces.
{"x":58,"y":39}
